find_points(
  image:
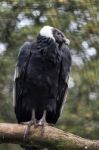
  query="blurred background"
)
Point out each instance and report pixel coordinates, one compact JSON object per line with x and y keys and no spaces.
{"x":79,"y":20}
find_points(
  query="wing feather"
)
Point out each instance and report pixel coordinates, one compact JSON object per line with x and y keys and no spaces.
{"x":20,"y":71}
{"x":63,"y":80}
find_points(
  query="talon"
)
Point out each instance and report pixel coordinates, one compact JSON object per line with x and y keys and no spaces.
{"x":29,"y":124}
{"x":42,"y":121}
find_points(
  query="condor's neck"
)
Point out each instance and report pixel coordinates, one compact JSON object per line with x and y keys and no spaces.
{"x":44,"y":42}
{"x":48,"y":48}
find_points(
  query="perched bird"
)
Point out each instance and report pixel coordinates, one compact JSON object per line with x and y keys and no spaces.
{"x":41,"y":77}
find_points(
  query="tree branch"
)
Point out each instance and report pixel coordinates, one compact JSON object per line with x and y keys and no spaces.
{"x":48,"y":136}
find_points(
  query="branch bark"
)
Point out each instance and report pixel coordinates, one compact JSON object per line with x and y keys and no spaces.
{"x":49,"y":137}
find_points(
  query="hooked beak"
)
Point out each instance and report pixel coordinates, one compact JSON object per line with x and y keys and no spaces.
{"x":67,"y":41}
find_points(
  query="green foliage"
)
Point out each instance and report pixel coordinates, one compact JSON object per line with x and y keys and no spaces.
{"x":79,"y":20}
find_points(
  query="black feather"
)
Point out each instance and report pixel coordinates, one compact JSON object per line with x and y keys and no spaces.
{"x":42,"y":81}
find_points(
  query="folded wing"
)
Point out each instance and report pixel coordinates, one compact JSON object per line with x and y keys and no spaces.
{"x":63,"y":80}
{"x":20,"y":76}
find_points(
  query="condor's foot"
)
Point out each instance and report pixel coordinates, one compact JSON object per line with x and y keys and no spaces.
{"x":42,"y":121}
{"x":29,"y":124}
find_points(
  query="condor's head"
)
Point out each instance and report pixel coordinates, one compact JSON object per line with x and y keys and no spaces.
{"x":55,"y":34}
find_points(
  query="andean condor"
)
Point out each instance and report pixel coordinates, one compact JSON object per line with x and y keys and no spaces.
{"x":41,"y":77}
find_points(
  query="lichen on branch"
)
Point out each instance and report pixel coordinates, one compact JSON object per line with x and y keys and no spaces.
{"x":47,"y":137}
